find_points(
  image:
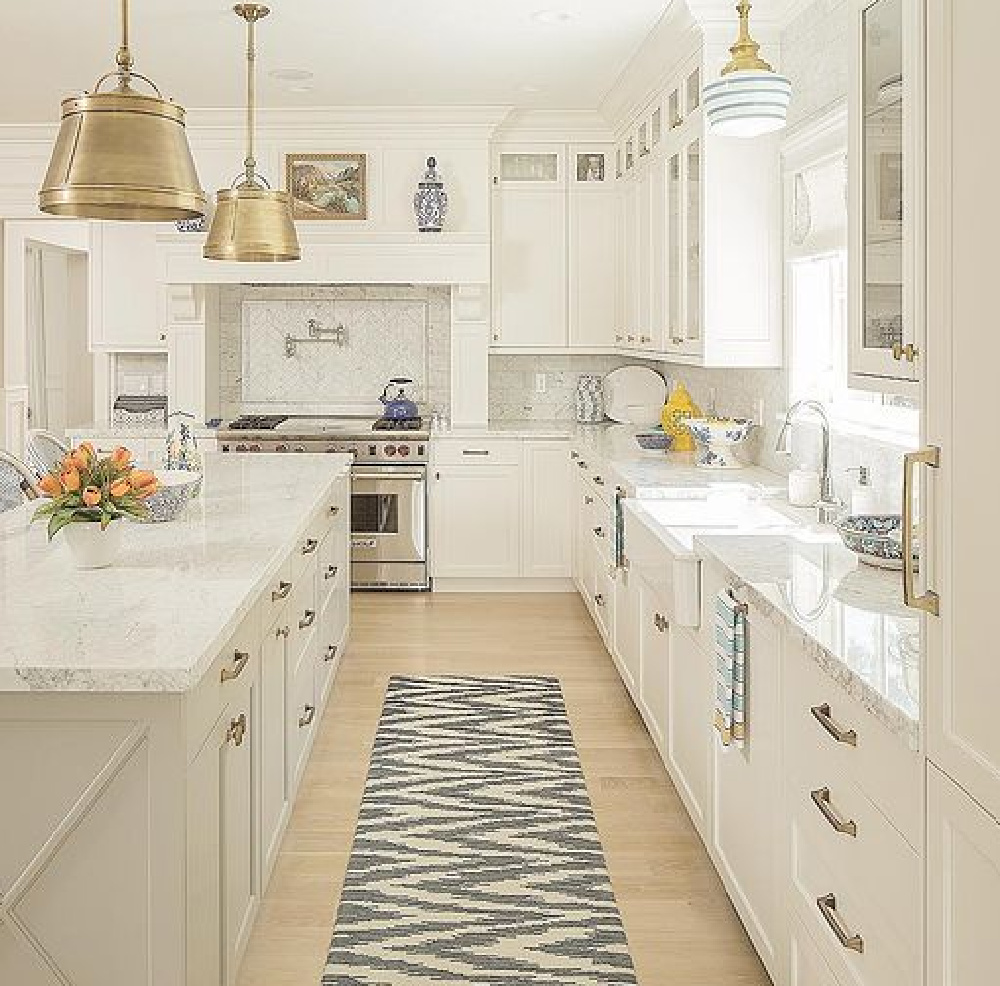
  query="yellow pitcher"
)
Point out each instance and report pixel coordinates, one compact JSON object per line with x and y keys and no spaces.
{"x":679,"y":407}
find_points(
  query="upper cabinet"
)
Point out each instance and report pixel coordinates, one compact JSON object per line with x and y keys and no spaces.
{"x":702,"y":236}
{"x":555,"y":247}
{"x":886,"y":184}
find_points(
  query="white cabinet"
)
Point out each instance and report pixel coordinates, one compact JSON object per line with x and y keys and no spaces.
{"x":546,"y":544}
{"x":689,"y":729}
{"x":963,"y":876}
{"x":806,"y":966}
{"x":746,"y":789}
{"x":654,"y":665}
{"x":627,"y":640}
{"x":126,"y":297}
{"x":186,"y":370}
{"x":476,"y":514}
{"x":275,"y":796}
{"x":594,"y":262}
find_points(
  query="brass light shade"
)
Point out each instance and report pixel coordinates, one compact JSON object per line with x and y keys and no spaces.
{"x":252,"y":222}
{"x":122,"y":154}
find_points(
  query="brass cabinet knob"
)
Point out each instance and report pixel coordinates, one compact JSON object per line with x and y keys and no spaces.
{"x":237,"y":730}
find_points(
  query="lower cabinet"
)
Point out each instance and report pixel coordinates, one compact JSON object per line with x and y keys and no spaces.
{"x":963,"y":886}
{"x":274,"y":790}
{"x":654,"y":663}
{"x":627,"y":644}
{"x":806,"y":966}
{"x":545,"y":532}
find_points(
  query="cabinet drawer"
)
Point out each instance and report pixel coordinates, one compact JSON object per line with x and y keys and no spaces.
{"x":835,"y":820}
{"x":306,"y":552}
{"x":853,"y":936}
{"x":333,"y":566}
{"x":275,"y":596}
{"x":491,"y":451}
{"x":600,"y":528}
{"x":873,"y":758}
{"x":300,"y":710}
{"x":594,"y":479}
{"x":302,"y":616}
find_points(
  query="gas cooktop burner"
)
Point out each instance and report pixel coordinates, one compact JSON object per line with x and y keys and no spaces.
{"x":398,"y":424}
{"x":257,"y":422}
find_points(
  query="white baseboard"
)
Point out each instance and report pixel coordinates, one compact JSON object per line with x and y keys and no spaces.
{"x":503,"y":585}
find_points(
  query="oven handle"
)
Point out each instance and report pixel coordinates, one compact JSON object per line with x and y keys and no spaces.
{"x":383,"y":476}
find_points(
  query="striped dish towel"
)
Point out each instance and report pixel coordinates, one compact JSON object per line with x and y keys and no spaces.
{"x":730,"y":669}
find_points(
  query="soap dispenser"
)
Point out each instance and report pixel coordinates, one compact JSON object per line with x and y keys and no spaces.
{"x":864,"y":499}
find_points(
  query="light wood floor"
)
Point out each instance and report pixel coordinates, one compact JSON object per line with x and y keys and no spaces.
{"x":681,"y":928}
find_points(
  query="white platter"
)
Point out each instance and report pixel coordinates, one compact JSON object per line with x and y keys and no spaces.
{"x":634,"y":395}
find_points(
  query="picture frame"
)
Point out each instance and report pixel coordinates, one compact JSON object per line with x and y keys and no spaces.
{"x":590,"y":167}
{"x":331,"y":186}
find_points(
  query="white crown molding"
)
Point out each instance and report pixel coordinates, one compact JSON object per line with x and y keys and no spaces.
{"x":555,"y":125}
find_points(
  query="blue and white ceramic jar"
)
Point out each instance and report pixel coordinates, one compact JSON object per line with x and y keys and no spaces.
{"x":430,"y":203}
{"x":589,"y":398}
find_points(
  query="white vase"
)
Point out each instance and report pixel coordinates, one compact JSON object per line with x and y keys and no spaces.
{"x":90,"y":546}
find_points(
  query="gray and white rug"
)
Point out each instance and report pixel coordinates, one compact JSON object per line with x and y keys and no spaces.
{"x":476,"y":858}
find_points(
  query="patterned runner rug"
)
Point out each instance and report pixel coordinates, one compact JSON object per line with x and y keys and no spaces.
{"x":476,"y":858}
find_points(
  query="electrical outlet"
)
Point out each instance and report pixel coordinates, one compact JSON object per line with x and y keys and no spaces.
{"x":760,"y":412}
{"x":541,"y":384}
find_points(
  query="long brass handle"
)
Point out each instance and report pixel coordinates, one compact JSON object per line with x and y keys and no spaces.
{"x":281,"y":592}
{"x":928,"y":601}
{"x":821,"y":799}
{"x":331,"y":572}
{"x":823,"y":715}
{"x":237,"y":730}
{"x":310,"y":546}
{"x":827,"y":905}
{"x":331,"y":653}
{"x":307,"y":716}
{"x":308,"y":619}
{"x":475,"y":451}
{"x":240,"y":661}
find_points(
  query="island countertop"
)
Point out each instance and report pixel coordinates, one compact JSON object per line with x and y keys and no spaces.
{"x":157,"y":618}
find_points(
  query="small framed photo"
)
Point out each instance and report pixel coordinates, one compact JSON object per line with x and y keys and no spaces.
{"x":327,"y":186}
{"x":590,"y":167}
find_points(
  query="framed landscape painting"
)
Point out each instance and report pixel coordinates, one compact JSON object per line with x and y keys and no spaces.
{"x":327,"y":186}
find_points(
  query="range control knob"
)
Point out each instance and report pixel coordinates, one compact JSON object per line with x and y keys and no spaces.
{"x":390,"y":450}
{"x":239,"y":447}
{"x":404,"y":450}
{"x":282,"y":447}
{"x":255,"y":447}
{"x":300,"y":448}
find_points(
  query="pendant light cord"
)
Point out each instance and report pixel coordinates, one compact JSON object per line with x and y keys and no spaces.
{"x":124,"y":57}
{"x":251,"y":163}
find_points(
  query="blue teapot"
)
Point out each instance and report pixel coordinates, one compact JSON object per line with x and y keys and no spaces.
{"x":399,"y":407}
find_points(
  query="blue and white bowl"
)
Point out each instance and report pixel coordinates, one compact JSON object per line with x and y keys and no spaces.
{"x":654,"y":441}
{"x":177,"y":488}
{"x":717,"y":439}
{"x":877,"y":539}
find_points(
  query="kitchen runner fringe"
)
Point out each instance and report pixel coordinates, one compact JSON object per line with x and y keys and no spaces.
{"x":730,"y":669}
{"x":476,"y":858}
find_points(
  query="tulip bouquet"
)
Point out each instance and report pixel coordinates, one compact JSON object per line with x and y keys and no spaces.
{"x":86,"y":489}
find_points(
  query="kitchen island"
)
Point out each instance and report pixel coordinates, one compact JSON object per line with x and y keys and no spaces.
{"x":155,"y":719}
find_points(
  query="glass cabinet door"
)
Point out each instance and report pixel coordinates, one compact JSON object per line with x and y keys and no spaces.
{"x":674,"y":253}
{"x":884,"y":312}
{"x":692,"y":246}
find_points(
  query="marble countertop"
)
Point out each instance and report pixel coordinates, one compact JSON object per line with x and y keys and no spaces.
{"x":156,"y":620}
{"x":95,"y":430}
{"x":509,"y":428}
{"x":850,"y":616}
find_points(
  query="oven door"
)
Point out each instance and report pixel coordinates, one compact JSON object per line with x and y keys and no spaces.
{"x":388,"y":514}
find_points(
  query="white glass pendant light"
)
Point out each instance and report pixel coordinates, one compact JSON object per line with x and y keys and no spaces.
{"x":751,"y":98}
{"x":252,"y":222}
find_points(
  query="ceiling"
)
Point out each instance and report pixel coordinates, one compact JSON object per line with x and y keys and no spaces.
{"x":528,"y":53}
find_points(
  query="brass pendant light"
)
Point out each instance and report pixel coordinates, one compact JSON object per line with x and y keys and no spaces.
{"x":252,"y":221}
{"x":122,"y":154}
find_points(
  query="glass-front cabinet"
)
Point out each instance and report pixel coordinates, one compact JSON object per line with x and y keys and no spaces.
{"x":885,"y":186}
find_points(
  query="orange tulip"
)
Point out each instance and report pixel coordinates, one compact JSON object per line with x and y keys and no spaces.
{"x":88,"y":448}
{"x":50,"y":485}
{"x":140,"y":478}
{"x":120,"y":487}
{"x":91,"y":496}
{"x":78,"y":459}
{"x":121,"y":457}
{"x":70,"y":479}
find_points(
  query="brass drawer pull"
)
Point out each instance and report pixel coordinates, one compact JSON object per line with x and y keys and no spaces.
{"x":582,"y":464}
{"x":240,"y":661}
{"x":823,"y":715}
{"x":308,"y":619}
{"x":331,"y":572}
{"x":598,"y":480}
{"x":237,"y":730}
{"x":588,"y":500}
{"x":331,"y":653}
{"x":599,"y":599}
{"x":310,"y":546}
{"x":574,"y":455}
{"x":283,"y":631}
{"x":821,"y":799}
{"x":599,"y":532}
{"x":281,"y":592}
{"x":660,"y":622}
{"x":475,"y":451}
{"x":307,"y":716}
{"x":334,"y":511}
{"x":827,"y":905}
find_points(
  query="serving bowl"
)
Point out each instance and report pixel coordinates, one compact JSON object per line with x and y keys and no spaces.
{"x":177,"y":487}
{"x":717,"y":439}
{"x":654,"y":441}
{"x":875,"y":538}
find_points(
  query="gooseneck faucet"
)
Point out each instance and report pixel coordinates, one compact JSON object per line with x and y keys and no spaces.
{"x":829,"y":506}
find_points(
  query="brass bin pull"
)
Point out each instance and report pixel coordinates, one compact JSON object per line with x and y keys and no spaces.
{"x":331,"y":653}
{"x":827,"y":905}
{"x":240,"y":660}
{"x":237,"y":730}
{"x":821,"y":799}
{"x":928,"y":601}
{"x":310,"y":546}
{"x":823,"y":715}
{"x":281,"y":592}
{"x":308,"y":619}
{"x":307,"y":716}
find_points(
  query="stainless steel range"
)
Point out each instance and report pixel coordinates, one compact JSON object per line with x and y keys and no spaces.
{"x":388,"y":486}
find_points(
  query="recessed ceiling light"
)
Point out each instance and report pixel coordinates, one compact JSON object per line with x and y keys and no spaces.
{"x":552,"y":16}
{"x":529,"y":89}
{"x":300,"y":87}
{"x":291,"y":74}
